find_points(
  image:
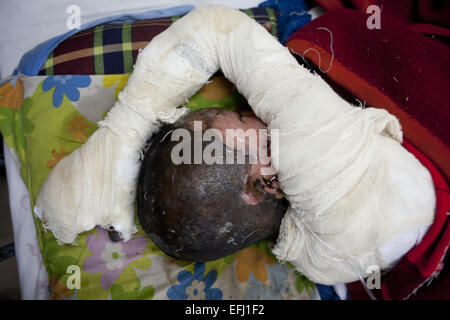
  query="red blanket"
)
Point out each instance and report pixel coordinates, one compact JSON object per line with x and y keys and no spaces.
{"x":425,"y":16}
{"x":401,"y":70}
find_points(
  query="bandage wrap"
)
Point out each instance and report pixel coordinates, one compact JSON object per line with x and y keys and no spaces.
{"x":342,"y":167}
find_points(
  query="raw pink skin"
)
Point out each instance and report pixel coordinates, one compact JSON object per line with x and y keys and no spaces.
{"x":247,"y":120}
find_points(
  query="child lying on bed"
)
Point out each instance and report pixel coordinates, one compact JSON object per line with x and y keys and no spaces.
{"x":357,"y":198}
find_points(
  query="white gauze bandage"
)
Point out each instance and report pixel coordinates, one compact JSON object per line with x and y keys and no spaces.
{"x":352,"y":187}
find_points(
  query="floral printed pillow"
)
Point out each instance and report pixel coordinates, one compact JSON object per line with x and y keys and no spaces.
{"x":45,"y":118}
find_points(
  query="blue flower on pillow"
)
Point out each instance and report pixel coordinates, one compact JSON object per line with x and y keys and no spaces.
{"x":276,"y":288}
{"x":65,"y":85}
{"x":195,"y":286}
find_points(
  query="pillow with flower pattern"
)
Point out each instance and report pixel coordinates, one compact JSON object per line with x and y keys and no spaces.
{"x":45,"y":118}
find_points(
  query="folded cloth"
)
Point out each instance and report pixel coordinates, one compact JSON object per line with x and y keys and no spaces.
{"x":408,"y":75}
{"x":291,"y":15}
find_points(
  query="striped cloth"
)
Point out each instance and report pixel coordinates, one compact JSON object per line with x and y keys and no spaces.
{"x":113,"y":48}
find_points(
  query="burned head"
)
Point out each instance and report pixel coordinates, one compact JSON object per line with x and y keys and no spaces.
{"x":201,"y":194}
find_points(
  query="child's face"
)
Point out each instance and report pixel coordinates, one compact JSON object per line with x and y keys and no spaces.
{"x":197,"y":210}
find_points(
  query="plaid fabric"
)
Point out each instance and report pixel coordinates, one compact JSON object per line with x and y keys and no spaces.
{"x":113,"y":48}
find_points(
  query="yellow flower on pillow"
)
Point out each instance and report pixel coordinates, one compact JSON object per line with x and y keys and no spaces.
{"x":57,"y":156}
{"x":58,"y":289}
{"x":217,"y":89}
{"x":253,"y":260}
{"x":110,"y":80}
{"x":11,"y":97}
{"x":78,"y":127}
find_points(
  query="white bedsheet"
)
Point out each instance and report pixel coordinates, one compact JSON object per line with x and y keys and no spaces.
{"x":32,"y":273}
